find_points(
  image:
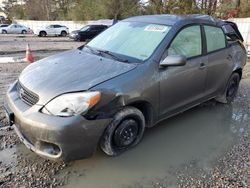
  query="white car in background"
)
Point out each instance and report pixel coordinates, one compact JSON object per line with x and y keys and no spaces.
{"x":52,"y":30}
{"x":16,"y":29}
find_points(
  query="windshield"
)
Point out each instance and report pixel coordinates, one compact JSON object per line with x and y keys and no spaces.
{"x":85,"y":28}
{"x":132,"y":39}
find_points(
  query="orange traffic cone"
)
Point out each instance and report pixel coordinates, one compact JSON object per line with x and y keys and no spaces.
{"x":29,"y":57}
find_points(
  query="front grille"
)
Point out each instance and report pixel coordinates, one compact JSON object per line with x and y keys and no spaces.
{"x":26,"y":95}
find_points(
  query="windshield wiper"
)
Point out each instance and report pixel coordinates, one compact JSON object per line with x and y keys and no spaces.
{"x":113,"y":55}
{"x":94,"y":51}
{"x":101,"y":52}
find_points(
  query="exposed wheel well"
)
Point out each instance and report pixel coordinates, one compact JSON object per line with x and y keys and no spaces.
{"x":239,"y":71}
{"x":147,"y":111}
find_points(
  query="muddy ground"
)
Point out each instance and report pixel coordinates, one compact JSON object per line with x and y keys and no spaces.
{"x":11,"y":43}
{"x":15,"y":45}
{"x":207,"y":146}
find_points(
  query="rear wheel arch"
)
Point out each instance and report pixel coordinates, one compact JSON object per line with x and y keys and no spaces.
{"x":42,"y":32}
{"x":231,"y":89}
{"x":239,"y":71}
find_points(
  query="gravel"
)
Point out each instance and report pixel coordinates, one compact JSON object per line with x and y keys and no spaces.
{"x":233,"y":168}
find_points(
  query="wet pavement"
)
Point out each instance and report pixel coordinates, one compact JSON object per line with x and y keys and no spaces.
{"x":197,"y":137}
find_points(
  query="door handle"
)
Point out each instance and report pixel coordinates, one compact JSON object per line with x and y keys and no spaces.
{"x":202,"y":66}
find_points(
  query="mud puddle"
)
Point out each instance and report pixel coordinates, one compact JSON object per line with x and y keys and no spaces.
{"x":195,"y":138}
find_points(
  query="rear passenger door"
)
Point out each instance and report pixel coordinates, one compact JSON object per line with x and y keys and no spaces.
{"x":219,"y":64}
{"x":57,"y":29}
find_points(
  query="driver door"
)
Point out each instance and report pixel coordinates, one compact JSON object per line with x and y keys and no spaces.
{"x":183,"y":86}
{"x":50,"y":30}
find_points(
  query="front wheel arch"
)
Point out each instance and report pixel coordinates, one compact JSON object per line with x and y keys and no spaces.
{"x":63,"y":33}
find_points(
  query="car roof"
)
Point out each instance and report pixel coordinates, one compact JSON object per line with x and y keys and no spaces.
{"x":167,"y":19}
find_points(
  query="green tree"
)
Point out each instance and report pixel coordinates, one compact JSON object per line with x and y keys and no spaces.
{"x":13,"y":10}
{"x":244,"y":8}
{"x":119,"y":9}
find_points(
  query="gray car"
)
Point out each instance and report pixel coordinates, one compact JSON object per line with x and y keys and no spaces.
{"x":133,"y":75}
{"x":16,"y":29}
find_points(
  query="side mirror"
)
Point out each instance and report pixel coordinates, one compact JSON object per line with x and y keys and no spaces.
{"x":174,"y":60}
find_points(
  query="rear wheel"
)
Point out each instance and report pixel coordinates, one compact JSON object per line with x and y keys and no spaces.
{"x":4,"y":32}
{"x":63,"y":33}
{"x":43,"y":34}
{"x":124,"y":132}
{"x":24,"y":31}
{"x":231,"y":90}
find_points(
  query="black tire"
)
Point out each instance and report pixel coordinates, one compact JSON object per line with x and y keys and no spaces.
{"x":24,"y":31}
{"x":42,"y":34}
{"x":124,"y":132}
{"x":4,"y":32}
{"x":63,"y":33}
{"x":231,"y":89}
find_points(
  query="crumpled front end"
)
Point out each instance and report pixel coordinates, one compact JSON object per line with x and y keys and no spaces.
{"x":53,"y":137}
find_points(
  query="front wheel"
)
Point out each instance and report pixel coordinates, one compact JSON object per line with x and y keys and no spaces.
{"x":4,"y":32}
{"x":24,"y":31}
{"x":124,"y":132}
{"x":231,"y":89}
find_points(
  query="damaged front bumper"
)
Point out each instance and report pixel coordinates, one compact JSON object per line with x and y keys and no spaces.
{"x":56,"y":138}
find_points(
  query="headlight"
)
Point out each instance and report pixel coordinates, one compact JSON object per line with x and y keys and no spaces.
{"x":72,"y":104}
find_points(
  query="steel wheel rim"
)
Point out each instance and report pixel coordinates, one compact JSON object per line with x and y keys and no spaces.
{"x":126,"y":133}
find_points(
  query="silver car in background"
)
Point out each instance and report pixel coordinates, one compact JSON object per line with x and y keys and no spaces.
{"x":16,"y":29}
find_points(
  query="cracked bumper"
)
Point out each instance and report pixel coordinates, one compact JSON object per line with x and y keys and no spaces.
{"x":56,"y":138}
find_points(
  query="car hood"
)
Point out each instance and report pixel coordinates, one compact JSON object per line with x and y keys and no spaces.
{"x":69,"y":71}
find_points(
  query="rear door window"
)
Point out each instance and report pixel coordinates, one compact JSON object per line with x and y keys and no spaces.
{"x":187,"y":42}
{"x":215,"y":38}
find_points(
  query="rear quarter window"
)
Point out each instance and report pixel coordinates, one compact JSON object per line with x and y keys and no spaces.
{"x":215,"y":38}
